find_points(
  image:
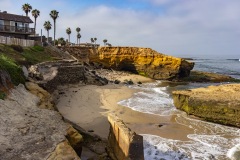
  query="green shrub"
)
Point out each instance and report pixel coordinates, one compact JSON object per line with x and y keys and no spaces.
{"x":38,"y":48}
{"x":2,"y":95}
{"x":13,"y":69}
{"x":32,"y":56}
{"x":17,"y":48}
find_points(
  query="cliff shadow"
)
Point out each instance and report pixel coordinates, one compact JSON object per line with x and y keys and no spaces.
{"x":127,"y":65}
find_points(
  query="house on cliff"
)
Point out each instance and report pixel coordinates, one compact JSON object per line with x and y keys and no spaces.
{"x":15,"y":26}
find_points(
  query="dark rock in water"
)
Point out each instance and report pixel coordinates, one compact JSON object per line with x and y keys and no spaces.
{"x":117,"y":82}
{"x":139,"y":82}
{"x":199,"y":76}
{"x":220,"y":104}
{"x":128,"y":82}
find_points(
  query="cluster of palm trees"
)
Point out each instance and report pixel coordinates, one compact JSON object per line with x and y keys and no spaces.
{"x":106,"y":44}
{"x":68,"y":31}
{"x":36,"y":13}
{"x":93,"y":40}
{"x":48,"y":26}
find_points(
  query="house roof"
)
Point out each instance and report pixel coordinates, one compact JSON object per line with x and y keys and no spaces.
{"x":14,"y":17}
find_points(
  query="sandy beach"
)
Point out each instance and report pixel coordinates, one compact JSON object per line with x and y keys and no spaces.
{"x":89,"y":105}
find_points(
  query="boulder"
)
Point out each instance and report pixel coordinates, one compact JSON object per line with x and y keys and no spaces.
{"x":220,"y":104}
{"x":63,"y":151}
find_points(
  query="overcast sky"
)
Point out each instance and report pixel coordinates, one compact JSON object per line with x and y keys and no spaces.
{"x":182,"y":28}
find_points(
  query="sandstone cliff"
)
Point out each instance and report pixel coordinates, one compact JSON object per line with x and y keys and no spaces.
{"x":143,"y":61}
{"x":220,"y":104}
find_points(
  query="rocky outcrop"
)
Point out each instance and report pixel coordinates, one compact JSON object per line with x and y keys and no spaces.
{"x":49,"y":75}
{"x":220,"y":104}
{"x":199,"y":76}
{"x":124,"y":143}
{"x":143,"y":61}
{"x":28,"y":132}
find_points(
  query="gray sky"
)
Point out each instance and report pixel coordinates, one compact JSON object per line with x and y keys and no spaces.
{"x":183,"y":28}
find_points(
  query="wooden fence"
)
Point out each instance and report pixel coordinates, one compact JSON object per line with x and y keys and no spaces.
{"x":16,"y":41}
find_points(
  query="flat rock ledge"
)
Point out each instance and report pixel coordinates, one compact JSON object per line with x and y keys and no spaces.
{"x":30,"y":133}
{"x":220,"y":104}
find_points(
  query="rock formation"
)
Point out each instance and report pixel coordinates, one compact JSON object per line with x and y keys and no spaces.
{"x":143,"y":61}
{"x":200,"y":76}
{"x":124,"y":143}
{"x":220,"y":104}
{"x":52,"y":74}
{"x":30,"y":133}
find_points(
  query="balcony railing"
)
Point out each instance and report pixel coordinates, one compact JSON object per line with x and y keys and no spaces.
{"x":16,"y":29}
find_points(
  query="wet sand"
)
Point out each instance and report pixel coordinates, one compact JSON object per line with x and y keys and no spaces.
{"x":89,"y":105}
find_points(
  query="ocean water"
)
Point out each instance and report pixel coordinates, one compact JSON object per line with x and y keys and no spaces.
{"x":209,"y":141}
{"x":223,"y":66}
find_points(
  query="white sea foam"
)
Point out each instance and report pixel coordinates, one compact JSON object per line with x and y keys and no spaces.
{"x":234,"y":153}
{"x":210,"y":141}
{"x":202,"y":147}
{"x":151,"y":100}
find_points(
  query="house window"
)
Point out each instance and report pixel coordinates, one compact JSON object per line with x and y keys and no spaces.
{"x":12,"y":26}
{"x":1,"y":25}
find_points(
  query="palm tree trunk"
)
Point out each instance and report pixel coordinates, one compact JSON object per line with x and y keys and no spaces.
{"x":69,"y":39}
{"x":35,"y":25}
{"x":54,"y":30}
{"x":47,"y":36}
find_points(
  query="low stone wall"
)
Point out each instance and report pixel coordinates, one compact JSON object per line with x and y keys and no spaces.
{"x":124,"y":143}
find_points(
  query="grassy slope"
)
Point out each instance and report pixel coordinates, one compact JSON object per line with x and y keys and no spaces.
{"x":12,"y":57}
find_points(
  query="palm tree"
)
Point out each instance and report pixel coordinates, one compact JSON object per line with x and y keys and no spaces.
{"x":35,"y":14}
{"x":47,"y":25}
{"x":78,"y":38}
{"x":78,"y":30}
{"x":95,"y":39}
{"x":105,"y":41}
{"x":68,"y":31}
{"x":54,"y":15}
{"x":92,"y":40}
{"x":26,"y":8}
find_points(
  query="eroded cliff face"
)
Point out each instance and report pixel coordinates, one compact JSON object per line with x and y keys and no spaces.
{"x":220,"y":104}
{"x":144,"y":61}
